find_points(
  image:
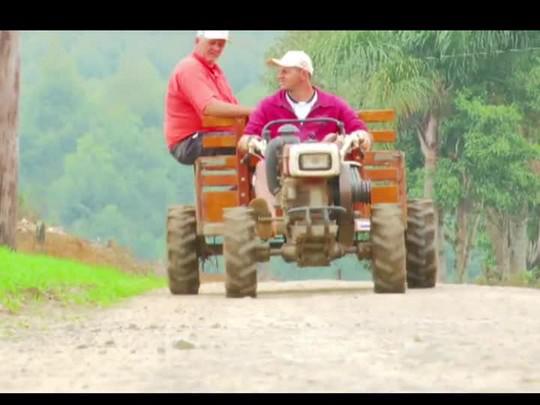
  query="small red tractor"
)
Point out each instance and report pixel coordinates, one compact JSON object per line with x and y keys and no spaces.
{"x":329,"y":202}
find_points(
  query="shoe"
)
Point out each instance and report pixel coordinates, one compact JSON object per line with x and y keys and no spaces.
{"x":261,"y":210}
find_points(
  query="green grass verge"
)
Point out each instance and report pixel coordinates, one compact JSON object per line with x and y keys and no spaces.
{"x":25,"y":278}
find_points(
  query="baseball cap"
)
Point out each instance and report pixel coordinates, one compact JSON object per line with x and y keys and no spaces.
{"x":298,"y":59}
{"x":213,"y":34}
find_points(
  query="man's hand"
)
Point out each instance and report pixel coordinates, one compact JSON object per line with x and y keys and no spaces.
{"x":361,"y":139}
{"x":365,"y":138}
{"x":330,"y":138}
{"x":251,"y":144}
{"x":242,"y":145}
{"x":334,"y":138}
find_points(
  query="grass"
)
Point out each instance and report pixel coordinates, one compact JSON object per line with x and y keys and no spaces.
{"x":29,"y":278}
{"x":528,"y":279}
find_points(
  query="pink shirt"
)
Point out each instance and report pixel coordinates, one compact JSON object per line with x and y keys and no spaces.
{"x":192,"y":86}
{"x":276,"y":107}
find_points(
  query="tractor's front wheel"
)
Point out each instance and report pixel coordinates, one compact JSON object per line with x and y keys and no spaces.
{"x":182,"y":250}
{"x":388,"y":248}
{"x":239,"y":249}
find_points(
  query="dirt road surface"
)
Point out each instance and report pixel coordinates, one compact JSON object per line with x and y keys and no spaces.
{"x":316,"y":336}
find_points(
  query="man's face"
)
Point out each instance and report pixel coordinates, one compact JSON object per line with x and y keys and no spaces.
{"x":210,"y":49}
{"x":291,"y":77}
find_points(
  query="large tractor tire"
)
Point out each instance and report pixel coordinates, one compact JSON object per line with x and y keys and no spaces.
{"x":182,"y":250}
{"x":421,"y":244}
{"x":239,"y":249}
{"x":388,"y":248}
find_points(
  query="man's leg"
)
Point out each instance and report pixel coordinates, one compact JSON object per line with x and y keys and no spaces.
{"x":264,"y":201}
{"x":188,"y":150}
{"x":261,"y":187}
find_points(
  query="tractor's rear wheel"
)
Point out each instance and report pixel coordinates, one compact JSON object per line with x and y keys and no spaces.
{"x":239,"y":249}
{"x":388,"y":248}
{"x":421,"y":246}
{"x":182,"y":250}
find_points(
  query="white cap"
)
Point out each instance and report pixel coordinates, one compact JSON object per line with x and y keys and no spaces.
{"x":298,"y":59}
{"x":213,"y":35}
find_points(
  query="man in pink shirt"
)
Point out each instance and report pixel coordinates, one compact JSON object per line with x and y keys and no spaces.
{"x":298,"y":98}
{"x":196,"y":88}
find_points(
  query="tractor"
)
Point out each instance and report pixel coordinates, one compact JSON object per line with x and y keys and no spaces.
{"x":331,"y":200}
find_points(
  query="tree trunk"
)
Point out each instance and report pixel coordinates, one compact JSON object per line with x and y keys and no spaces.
{"x":461,"y":235}
{"x":429,"y":142}
{"x":9,"y":146}
{"x":498,"y":230}
{"x":442,"y":274}
{"x":462,"y":226}
{"x":533,"y":252}
{"x":518,"y":242}
{"x":472,"y":237}
{"x":467,"y":225}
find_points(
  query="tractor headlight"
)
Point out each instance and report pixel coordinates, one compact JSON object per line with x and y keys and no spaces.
{"x":315,"y":161}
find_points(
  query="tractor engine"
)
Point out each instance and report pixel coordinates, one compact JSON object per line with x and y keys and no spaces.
{"x":308,"y":174}
{"x":316,"y":191}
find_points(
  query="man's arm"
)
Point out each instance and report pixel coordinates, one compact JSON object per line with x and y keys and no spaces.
{"x":254,"y":127}
{"x":350,"y":119}
{"x":354,"y":125}
{"x":256,"y":121}
{"x":203,"y":98}
{"x":218,"y":108}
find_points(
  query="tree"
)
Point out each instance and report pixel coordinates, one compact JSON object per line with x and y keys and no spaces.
{"x":526,"y":95}
{"x":93,"y":153}
{"x":514,"y":82}
{"x":9,"y":147}
{"x":55,"y":114}
{"x":488,"y":180}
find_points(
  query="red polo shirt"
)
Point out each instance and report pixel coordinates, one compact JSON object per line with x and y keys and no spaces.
{"x":193,"y":84}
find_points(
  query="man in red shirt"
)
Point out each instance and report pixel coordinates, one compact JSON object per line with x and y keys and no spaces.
{"x":198,"y":87}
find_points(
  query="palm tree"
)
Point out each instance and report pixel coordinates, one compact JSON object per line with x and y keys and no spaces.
{"x":9,"y":103}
